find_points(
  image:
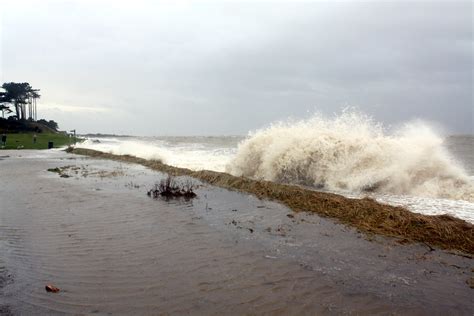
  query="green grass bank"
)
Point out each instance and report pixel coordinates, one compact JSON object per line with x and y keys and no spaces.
{"x":26,"y":140}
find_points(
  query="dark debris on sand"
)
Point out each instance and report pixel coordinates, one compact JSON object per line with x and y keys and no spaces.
{"x":170,"y":188}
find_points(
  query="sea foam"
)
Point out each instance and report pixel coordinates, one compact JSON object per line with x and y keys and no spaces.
{"x":351,"y":152}
{"x":126,"y":147}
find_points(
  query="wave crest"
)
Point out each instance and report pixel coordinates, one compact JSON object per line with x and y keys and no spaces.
{"x":126,"y":147}
{"x":351,"y":152}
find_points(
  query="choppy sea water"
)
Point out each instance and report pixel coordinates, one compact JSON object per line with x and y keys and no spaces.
{"x":219,"y":152}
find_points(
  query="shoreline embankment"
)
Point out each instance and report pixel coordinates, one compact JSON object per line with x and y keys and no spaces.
{"x":366,"y":215}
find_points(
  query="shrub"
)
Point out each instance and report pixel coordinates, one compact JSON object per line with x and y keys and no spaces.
{"x":170,"y":188}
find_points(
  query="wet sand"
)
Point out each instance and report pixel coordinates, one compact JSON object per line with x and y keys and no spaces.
{"x":113,"y":250}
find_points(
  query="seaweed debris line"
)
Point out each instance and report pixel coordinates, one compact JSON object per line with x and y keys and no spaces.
{"x":365,"y":214}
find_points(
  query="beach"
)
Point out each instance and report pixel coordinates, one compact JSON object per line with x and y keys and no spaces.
{"x":93,"y":232}
{"x":426,"y":174}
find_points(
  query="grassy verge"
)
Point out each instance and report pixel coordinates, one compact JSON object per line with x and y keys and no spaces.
{"x":367,"y":215}
{"x":25,"y":140}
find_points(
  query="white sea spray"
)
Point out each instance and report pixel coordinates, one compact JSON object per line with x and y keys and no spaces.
{"x":351,"y":152}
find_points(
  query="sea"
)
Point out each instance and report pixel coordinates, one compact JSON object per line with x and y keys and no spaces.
{"x":351,"y":154}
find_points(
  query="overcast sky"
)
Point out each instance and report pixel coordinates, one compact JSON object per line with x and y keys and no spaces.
{"x":226,"y":67}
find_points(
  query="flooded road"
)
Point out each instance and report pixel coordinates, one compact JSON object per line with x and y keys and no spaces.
{"x":113,"y":250}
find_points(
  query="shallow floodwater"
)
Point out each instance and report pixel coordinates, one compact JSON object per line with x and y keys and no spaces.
{"x":113,"y":250}
{"x":216,"y":153}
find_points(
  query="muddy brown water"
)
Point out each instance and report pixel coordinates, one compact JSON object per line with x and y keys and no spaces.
{"x":113,"y":250}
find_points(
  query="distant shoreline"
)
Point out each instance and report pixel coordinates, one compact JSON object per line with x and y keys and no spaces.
{"x":105,"y":135}
{"x":204,"y":136}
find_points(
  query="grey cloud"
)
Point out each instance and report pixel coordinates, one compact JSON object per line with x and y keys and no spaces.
{"x":227,"y":67}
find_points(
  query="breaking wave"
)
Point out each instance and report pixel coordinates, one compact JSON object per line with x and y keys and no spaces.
{"x":193,"y":155}
{"x":351,"y":152}
{"x":126,"y":147}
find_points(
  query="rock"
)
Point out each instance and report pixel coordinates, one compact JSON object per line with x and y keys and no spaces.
{"x":51,"y":288}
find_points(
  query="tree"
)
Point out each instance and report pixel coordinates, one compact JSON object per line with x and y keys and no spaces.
{"x":34,"y":95}
{"x":51,"y":124}
{"x":19,"y":95}
{"x":4,"y":104}
{"x":4,"y":108}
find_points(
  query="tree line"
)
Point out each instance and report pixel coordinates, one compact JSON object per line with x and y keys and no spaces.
{"x":20,"y":98}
